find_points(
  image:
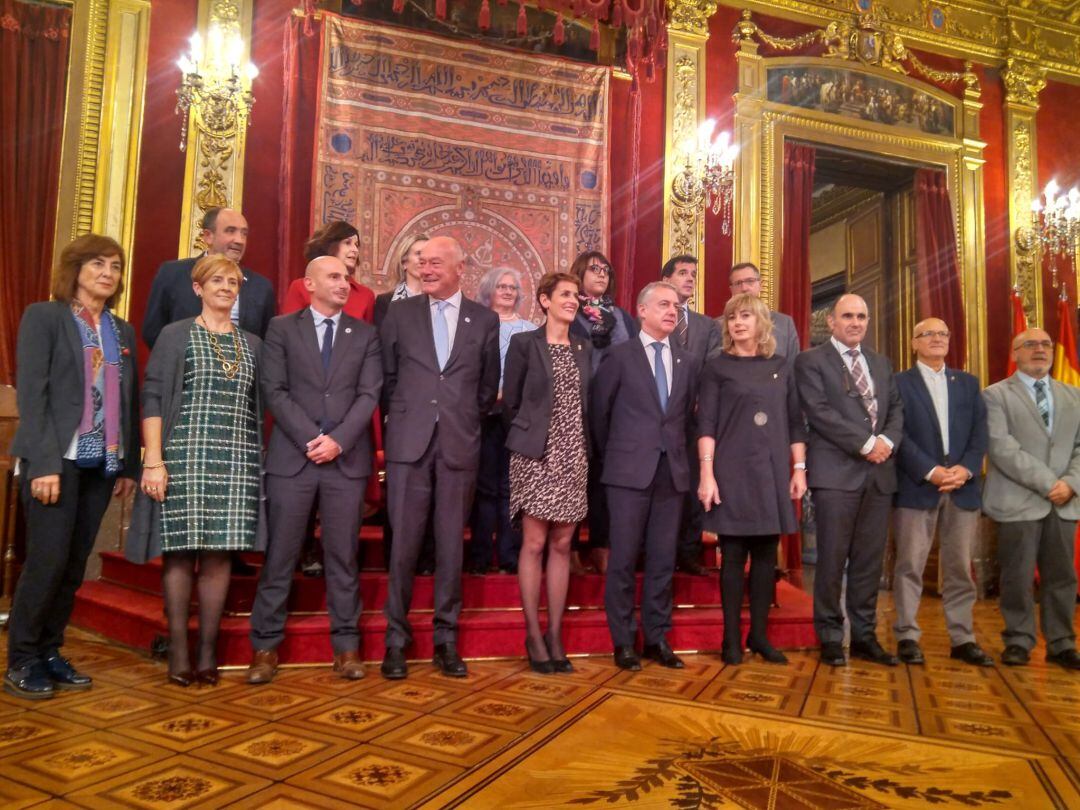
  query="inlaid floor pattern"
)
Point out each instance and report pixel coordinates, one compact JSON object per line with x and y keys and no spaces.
{"x":750,"y":736}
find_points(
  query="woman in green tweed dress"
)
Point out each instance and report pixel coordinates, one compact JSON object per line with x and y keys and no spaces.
{"x":201,"y":485}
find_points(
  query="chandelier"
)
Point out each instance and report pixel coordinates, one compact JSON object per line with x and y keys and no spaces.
{"x":216,"y":85}
{"x":1055,"y":220}
{"x":707,"y":178}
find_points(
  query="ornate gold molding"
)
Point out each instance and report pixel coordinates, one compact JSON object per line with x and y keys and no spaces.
{"x":1023,"y":82}
{"x":690,"y":16}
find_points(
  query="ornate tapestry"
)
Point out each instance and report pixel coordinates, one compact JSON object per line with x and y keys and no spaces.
{"x":503,"y":151}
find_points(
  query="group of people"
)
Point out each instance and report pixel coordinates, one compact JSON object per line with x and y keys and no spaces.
{"x":654,"y":426}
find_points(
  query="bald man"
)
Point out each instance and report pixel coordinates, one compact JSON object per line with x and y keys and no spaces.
{"x":856,"y":422}
{"x":1031,"y":485}
{"x":320,"y":375}
{"x":441,"y":364}
{"x":939,"y":463}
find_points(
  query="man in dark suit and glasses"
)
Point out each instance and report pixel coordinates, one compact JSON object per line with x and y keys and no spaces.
{"x":856,"y":423}
{"x":321,"y":377}
{"x":700,"y":336}
{"x":172,"y":297}
{"x":441,"y":367}
{"x":938,"y":468}
{"x":640,"y":416}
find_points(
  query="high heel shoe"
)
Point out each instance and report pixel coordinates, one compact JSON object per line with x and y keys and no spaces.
{"x":541,"y":667}
{"x":731,"y":655}
{"x":207,"y":676}
{"x":185,"y":678}
{"x":766,"y":651}
{"x":560,"y":665}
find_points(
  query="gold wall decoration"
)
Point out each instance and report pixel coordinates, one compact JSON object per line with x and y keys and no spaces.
{"x":690,"y":16}
{"x":214,"y":172}
{"x":762,"y":127}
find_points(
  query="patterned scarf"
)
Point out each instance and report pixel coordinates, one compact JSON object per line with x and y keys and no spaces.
{"x":600,"y":314}
{"x":99,"y":430}
{"x":401,"y":292}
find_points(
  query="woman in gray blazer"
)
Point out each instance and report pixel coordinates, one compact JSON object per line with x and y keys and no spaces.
{"x":77,"y":445}
{"x":201,"y":486}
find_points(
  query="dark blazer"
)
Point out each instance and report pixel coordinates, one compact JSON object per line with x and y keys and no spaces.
{"x":922,"y":448}
{"x":382,"y":305}
{"x":527,"y":389}
{"x":301,"y":396}
{"x":840,"y":424}
{"x":703,"y":338}
{"x":628,"y":427}
{"x":49,"y":389}
{"x":172,"y":298}
{"x":418,"y":395}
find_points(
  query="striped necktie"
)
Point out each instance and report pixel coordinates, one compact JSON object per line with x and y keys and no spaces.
{"x":862,"y":385}
{"x":682,"y":327}
{"x":1041,"y":401}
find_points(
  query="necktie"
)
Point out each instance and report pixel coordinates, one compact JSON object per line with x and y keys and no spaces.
{"x":682,"y":328}
{"x":1041,"y":402}
{"x":442,"y":334}
{"x":862,"y":385}
{"x":660,"y":374}
{"x":327,"y":344}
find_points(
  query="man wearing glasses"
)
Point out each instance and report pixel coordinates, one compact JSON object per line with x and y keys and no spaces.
{"x":938,"y":465}
{"x":1031,"y":485}
{"x":746,"y":278}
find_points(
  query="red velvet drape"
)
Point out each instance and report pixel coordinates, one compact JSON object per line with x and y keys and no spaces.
{"x":795,"y":260}
{"x":33,"y":62}
{"x":937,"y":271}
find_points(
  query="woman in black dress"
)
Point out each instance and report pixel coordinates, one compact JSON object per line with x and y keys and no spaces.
{"x":750,"y":432}
{"x":545,"y":389}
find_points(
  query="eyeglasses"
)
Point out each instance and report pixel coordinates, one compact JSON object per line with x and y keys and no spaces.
{"x":746,"y":282}
{"x":506,"y":287}
{"x":1031,"y":345}
{"x":599,"y":269}
{"x":942,"y":335}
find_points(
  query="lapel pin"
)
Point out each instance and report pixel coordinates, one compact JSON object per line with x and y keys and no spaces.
{"x":579,"y":347}
{"x":678,"y":360}
{"x":775,"y":375}
{"x":467,"y":319}
{"x":348,"y":330}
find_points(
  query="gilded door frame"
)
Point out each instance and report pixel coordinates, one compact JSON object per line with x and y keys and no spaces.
{"x":762,"y":127}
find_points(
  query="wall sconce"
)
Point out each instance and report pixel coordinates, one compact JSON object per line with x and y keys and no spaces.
{"x":1055,"y":220}
{"x":707,"y":179}
{"x":216,"y":85}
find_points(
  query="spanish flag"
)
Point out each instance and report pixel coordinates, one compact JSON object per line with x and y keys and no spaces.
{"x":1019,"y":319}
{"x":1066,"y":364}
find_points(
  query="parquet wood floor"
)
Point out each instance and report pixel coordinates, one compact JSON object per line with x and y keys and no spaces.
{"x":749,"y":736}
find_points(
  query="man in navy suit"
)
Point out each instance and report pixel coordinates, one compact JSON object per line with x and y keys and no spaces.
{"x":640,"y":415}
{"x":938,"y":466}
{"x":172,"y":297}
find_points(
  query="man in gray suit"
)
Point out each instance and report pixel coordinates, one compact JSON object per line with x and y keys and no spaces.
{"x":745,"y":277}
{"x":700,"y":336}
{"x":441,"y":365}
{"x":1030,"y":490}
{"x":321,"y":372}
{"x":856,"y":422}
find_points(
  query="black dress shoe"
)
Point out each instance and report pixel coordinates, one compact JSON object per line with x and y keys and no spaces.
{"x":766,"y":651}
{"x":31,"y":682}
{"x":909,"y":651}
{"x":545,"y":667}
{"x":662,"y":654}
{"x":971,"y":653}
{"x":448,"y":661}
{"x":561,"y":665}
{"x":871,"y":650}
{"x":689,"y":566}
{"x":1015,"y":656}
{"x":1069,"y":659}
{"x":832,"y":654}
{"x":393,"y":666}
{"x":731,"y":654}
{"x":64,"y":676}
{"x":626,"y":658}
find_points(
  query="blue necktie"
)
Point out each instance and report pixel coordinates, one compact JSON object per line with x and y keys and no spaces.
{"x":442,"y":334}
{"x":327,"y":344}
{"x":660,"y":374}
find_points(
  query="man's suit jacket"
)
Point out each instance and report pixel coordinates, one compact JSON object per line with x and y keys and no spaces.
{"x":629,"y":429}
{"x":702,"y":338}
{"x":840,"y":423}
{"x":1025,"y":459}
{"x":418,"y":395}
{"x":528,"y":385}
{"x":382,"y":306}
{"x":301,"y":396}
{"x":172,"y":299}
{"x":50,"y":386}
{"x":923,"y":447}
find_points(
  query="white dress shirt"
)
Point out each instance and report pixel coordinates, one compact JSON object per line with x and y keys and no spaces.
{"x":937,"y":383}
{"x":320,"y":326}
{"x":450,"y":313}
{"x":647,"y":341}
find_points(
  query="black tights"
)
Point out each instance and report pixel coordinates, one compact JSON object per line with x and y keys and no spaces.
{"x":177,"y":577}
{"x":762,"y":551}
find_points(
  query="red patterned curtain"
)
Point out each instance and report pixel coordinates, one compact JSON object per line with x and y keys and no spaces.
{"x":937,"y":272}
{"x":795,"y":261}
{"x":33,"y":62}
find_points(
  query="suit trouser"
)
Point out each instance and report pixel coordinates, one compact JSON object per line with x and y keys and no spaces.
{"x":59,"y":539}
{"x":648,"y":517}
{"x":1048,"y":544}
{"x":491,"y":511}
{"x":412,"y":488}
{"x":341,"y":500}
{"x":914,"y":533}
{"x":851,"y":531}
{"x":693,"y":515}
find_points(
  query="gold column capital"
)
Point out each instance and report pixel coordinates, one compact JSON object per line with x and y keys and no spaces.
{"x":690,"y":16}
{"x":1023,"y":82}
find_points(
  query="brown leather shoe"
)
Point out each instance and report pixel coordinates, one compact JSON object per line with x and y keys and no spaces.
{"x":263,"y":666}
{"x":349,"y":665}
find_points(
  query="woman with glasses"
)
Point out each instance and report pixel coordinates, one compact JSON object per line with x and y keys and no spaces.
{"x":500,"y":289}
